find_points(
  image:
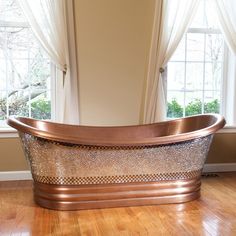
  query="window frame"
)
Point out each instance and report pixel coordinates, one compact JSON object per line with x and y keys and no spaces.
{"x":6,"y":131}
{"x":222,"y":91}
{"x":225,"y":75}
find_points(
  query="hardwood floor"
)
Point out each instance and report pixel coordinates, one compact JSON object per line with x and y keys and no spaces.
{"x":213,"y":214}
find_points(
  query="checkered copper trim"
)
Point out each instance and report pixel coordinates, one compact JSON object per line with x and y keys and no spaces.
{"x":117,"y":179}
{"x":115,"y":147}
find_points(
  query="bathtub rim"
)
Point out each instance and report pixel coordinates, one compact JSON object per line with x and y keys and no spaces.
{"x":17,"y":123}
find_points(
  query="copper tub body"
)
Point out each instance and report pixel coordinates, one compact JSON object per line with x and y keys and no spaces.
{"x":82,"y":167}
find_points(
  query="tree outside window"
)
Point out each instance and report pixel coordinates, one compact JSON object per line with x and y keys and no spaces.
{"x":195,"y":71}
{"x":25,"y":74}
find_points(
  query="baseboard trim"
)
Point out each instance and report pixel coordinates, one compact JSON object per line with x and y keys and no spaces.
{"x":219,"y":167}
{"x":26,"y":175}
{"x":15,"y":175}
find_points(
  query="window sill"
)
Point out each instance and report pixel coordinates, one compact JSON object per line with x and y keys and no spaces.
{"x":8,"y":133}
{"x":12,"y":133}
{"x":227,"y":129}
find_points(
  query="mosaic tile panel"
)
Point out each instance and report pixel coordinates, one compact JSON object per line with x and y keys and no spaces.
{"x":59,"y":163}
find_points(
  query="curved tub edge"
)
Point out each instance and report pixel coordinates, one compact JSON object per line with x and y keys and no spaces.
{"x":95,"y":140}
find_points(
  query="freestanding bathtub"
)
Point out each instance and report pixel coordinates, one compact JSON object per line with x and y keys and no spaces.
{"x":83,"y":167}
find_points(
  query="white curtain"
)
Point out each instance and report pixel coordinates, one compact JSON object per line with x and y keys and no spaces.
{"x":53,"y":24}
{"x":226,"y":11}
{"x":229,"y":91}
{"x":170,"y":23}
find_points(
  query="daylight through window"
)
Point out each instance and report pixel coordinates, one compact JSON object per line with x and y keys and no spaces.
{"x":25,"y":74}
{"x":195,"y":71}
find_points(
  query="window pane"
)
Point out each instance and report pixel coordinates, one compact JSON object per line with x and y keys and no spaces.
{"x":179,"y":54}
{"x":193,"y":103}
{"x":214,"y":48}
{"x":18,"y":103}
{"x":9,"y":11}
{"x":3,"y":106}
{"x":39,"y":73}
{"x":17,"y":73}
{"x":175,"y":102}
{"x":41,"y":105}
{"x":2,"y":74}
{"x":34,"y":48}
{"x":17,"y":42}
{"x":194,"y":76}
{"x":195,"y":47}
{"x":175,"y":75}
{"x":213,"y":76}
{"x":1,"y":51}
{"x":212,"y":102}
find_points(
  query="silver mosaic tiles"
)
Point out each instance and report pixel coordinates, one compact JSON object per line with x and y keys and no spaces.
{"x":57,"y":163}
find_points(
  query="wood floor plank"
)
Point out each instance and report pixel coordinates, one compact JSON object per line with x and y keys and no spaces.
{"x":213,"y":214}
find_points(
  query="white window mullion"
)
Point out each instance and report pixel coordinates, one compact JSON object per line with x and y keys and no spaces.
{"x":28,"y":79}
{"x":223,"y":91}
{"x":204,"y":74}
{"x":7,"y":69}
{"x":53,"y":92}
{"x":185,"y":73}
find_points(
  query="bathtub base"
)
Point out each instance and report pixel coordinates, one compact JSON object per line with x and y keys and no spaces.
{"x":71,"y":197}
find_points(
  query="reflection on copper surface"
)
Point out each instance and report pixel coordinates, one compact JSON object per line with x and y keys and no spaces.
{"x":153,"y":134}
{"x":130,"y":165}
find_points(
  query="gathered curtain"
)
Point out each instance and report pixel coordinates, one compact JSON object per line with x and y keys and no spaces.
{"x":52,"y":22}
{"x":226,"y":12}
{"x":171,"y":20}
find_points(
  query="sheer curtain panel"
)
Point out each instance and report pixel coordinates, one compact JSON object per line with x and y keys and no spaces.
{"x":226,"y":11}
{"x":52,"y":22}
{"x":171,"y":20}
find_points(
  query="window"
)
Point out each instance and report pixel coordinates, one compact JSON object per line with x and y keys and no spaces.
{"x":25,"y":71}
{"x":195,"y":72}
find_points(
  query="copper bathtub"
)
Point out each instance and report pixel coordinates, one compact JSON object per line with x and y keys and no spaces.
{"x":83,"y":167}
